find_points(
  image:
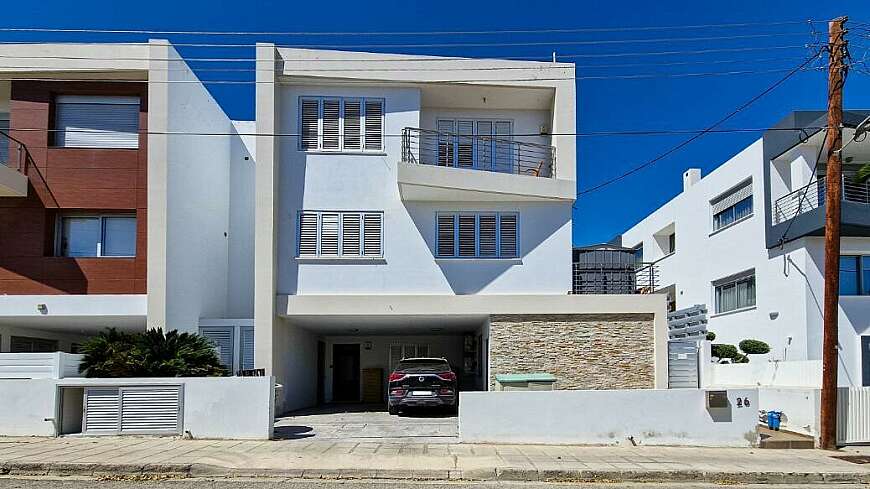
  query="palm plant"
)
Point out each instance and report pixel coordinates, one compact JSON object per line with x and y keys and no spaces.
{"x":150,"y":354}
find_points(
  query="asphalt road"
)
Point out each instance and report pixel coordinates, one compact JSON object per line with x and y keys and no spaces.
{"x":42,"y":483}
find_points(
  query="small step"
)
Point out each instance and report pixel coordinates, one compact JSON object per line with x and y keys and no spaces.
{"x":784,"y":439}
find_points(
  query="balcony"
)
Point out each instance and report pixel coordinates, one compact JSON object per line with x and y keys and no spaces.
{"x":804,"y":210}
{"x":13,"y":167}
{"x":443,"y":166}
{"x":615,"y":278}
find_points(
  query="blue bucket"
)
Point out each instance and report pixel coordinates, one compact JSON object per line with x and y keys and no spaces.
{"x":773,"y":419}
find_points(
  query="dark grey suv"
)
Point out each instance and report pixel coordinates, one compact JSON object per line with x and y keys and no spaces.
{"x":422,"y":382}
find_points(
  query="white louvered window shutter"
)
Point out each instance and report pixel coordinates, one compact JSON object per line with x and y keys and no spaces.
{"x":465,"y":144}
{"x":467,"y":235}
{"x":488,"y":235}
{"x":351,"y":228}
{"x":504,"y":150}
{"x":329,"y":234}
{"x":152,"y":409}
{"x":446,"y":235}
{"x":352,"y":125}
{"x":309,"y":124}
{"x":373,"y":234}
{"x":87,"y":121}
{"x":508,"y":239}
{"x":374,"y":125}
{"x":222,"y":338}
{"x":102,"y":410}
{"x":331,"y":124}
{"x":445,"y":142}
{"x":246,"y":352}
{"x":307,"y":234}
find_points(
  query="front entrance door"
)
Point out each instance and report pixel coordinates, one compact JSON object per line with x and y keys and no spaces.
{"x":865,"y":360}
{"x":345,"y":373}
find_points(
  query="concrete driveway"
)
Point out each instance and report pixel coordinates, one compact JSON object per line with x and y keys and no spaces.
{"x":367,"y":423}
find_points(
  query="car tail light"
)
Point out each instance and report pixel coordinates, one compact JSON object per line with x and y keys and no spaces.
{"x":397,"y":392}
{"x":396,"y":376}
{"x":447,"y":376}
{"x":446,"y":391}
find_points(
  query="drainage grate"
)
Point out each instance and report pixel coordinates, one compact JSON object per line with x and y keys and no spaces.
{"x":855,"y":459}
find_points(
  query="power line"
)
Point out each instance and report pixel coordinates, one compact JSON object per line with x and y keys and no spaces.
{"x":406,"y":33}
{"x":705,"y":131}
{"x":596,"y":42}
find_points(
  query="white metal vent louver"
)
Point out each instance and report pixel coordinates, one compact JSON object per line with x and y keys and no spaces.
{"x":102,"y":410}
{"x":246,"y":338}
{"x":150,"y":410}
{"x":222,"y":337}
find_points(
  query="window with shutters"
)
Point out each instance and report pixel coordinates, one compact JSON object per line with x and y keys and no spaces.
{"x":234,"y":345}
{"x":340,"y":234}
{"x":477,"y":235}
{"x":88,"y":121}
{"x":341,"y":124}
{"x":734,"y":293}
{"x":23,"y":344}
{"x":732,"y":207}
{"x":476,"y":143}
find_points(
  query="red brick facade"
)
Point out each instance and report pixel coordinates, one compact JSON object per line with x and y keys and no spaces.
{"x":65,"y":179}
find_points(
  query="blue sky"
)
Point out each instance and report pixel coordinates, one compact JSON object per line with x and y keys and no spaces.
{"x":612,"y":104}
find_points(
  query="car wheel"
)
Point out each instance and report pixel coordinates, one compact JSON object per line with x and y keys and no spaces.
{"x":393,"y":410}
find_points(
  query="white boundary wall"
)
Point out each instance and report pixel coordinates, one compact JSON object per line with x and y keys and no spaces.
{"x":608,"y":417}
{"x":797,"y":373}
{"x":214,"y":407}
{"x":55,"y":365}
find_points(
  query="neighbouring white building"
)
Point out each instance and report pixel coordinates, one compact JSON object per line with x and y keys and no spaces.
{"x":126,"y":198}
{"x":747,"y":242}
{"x":413,"y":206}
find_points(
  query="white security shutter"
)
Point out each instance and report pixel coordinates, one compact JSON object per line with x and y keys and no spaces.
{"x":374,"y":125}
{"x":350,"y":234}
{"x":331,"y":123}
{"x":102,"y":410}
{"x":465,"y":144}
{"x":85,"y":121}
{"x":488,"y":235}
{"x":508,"y":236}
{"x":446,"y":235}
{"x":445,"y":142}
{"x":329,"y":234}
{"x":309,"y":124}
{"x":725,"y":201}
{"x":307,"y":234}
{"x":222,"y":337}
{"x":152,"y":409}
{"x":467,"y":235}
{"x":246,"y":352}
{"x":352,"y":127}
{"x":373,"y":234}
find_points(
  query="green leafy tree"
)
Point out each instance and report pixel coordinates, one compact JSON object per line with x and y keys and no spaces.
{"x":711,"y":336}
{"x":754,"y":347}
{"x":150,"y":354}
{"x":720,"y":350}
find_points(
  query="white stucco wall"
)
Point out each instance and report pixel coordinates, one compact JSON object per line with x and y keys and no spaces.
{"x":649,"y":417}
{"x":789,"y":290}
{"x":240,"y":245}
{"x":214,"y":407}
{"x":189,"y":193}
{"x":368,"y":182}
{"x":295,"y":367}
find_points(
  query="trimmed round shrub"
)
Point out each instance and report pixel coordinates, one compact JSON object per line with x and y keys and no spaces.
{"x":754,"y":347}
{"x":724,"y":351}
{"x":711,"y":336}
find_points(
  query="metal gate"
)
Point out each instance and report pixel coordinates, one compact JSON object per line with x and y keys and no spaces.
{"x":683,"y":364}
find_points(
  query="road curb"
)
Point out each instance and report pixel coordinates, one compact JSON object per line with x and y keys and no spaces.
{"x":151,"y":471}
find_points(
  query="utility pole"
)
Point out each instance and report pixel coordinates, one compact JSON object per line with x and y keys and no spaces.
{"x":833,"y":195}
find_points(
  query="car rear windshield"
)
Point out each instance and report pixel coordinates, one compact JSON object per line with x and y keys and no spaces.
{"x":423,"y":364}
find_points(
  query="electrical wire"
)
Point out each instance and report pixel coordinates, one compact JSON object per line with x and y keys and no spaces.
{"x":697,"y":136}
{"x":406,"y":33}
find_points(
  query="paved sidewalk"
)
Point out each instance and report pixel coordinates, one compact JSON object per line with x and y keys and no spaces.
{"x":372,"y":460}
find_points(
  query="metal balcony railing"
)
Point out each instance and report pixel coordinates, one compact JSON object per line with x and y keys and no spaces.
{"x":812,"y":196}
{"x":486,"y":153}
{"x":610,"y":278}
{"x":12,"y":153}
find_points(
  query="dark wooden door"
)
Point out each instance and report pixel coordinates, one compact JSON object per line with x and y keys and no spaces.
{"x":865,"y":359}
{"x":345,"y":373}
{"x":321,"y":371}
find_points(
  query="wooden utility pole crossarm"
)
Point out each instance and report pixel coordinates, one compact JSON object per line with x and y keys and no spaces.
{"x":836,"y":80}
